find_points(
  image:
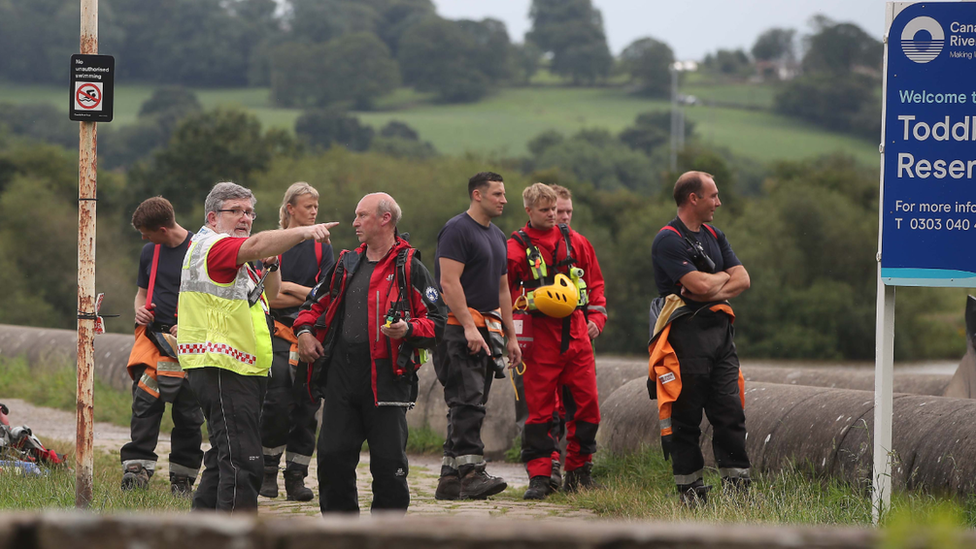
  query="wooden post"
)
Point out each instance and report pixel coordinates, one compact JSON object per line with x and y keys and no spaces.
{"x":87,"y":163}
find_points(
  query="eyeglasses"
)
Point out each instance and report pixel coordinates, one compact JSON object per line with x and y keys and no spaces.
{"x":237,"y":212}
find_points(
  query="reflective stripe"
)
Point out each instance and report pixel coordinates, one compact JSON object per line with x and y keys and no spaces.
{"x":168,"y":366}
{"x":177,"y":469}
{"x":274,"y":451}
{"x":221,"y":348}
{"x":292,"y":457}
{"x":597,"y":309}
{"x":733,"y":472}
{"x":666,"y":423}
{"x":470,"y":459}
{"x":402,"y":404}
{"x":293,"y":357}
{"x":684,"y":480}
{"x":146,"y":464}
{"x":493,"y":325}
{"x":448,"y":461}
{"x":149,"y":382}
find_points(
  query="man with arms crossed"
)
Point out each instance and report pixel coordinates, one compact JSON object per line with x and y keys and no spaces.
{"x":472,"y":273}
{"x":693,"y":363}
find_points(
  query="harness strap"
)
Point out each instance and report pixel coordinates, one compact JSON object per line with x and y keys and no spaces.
{"x":152,"y":276}
{"x":318,"y":261}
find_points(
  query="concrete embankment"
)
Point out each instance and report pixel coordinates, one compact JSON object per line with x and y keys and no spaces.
{"x":827,"y":430}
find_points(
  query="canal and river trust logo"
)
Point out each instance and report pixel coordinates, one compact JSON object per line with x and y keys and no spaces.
{"x":923,"y":39}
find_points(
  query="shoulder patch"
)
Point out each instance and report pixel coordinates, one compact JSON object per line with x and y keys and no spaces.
{"x":431,"y":293}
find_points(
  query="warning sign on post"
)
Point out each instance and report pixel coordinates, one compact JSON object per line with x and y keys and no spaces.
{"x":92,"y":87}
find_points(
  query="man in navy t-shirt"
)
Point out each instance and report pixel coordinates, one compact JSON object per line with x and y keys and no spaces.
{"x":157,"y":377}
{"x":692,"y":353}
{"x":471,"y":269}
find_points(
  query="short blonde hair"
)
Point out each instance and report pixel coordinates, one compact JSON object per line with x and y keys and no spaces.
{"x":536,"y":193}
{"x":562,"y":192}
{"x":294,"y":191}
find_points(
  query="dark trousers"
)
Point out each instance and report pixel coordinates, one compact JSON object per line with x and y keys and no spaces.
{"x":349,"y":418}
{"x":147,"y":412}
{"x":288,"y":416}
{"x":467,"y":380}
{"x":234,"y":466}
{"x":709,"y":382}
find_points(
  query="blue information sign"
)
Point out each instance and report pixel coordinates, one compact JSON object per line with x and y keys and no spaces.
{"x":929,"y":209}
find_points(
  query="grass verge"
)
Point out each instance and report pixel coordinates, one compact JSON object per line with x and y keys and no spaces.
{"x":640,"y":486}
{"x":56,"y":490}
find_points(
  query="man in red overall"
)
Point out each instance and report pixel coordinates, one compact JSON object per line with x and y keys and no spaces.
{"x":561,"y":354}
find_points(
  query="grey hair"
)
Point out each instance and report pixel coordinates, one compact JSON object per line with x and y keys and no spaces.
{"x":388,"y":205}
{"x":222,"y":192}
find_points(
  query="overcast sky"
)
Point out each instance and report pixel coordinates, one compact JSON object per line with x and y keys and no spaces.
{"x":691,"y":27}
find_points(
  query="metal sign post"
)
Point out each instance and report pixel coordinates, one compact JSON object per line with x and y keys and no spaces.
{"x":87,"y":163}
{"x":927,"y":210}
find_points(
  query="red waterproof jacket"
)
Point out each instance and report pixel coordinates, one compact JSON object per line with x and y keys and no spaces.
{"x":426,"y":316}
{"x":552,"y":246}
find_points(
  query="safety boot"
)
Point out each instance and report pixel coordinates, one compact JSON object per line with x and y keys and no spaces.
{"x":135,"y":476}
{"x":736,"y":487}
{"x":448,"y":487}
{"x":694,"y":495}
{"x":295,"y":486}
{"x":269,"y":486}
{"x":556,"y":477}
{"x":539,"y":488}
{"x":181,"y":485}
{"x":580,"y":479}
{"x":477,"y":484}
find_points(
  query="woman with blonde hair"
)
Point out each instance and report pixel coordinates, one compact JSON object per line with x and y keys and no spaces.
{"x":288,"y":416}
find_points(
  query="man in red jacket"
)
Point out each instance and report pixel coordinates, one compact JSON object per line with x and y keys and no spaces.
{"x":561,"y":353}
{"x":362,"y":327}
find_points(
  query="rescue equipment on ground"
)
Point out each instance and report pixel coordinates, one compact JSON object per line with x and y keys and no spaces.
{"x":21,"y":451}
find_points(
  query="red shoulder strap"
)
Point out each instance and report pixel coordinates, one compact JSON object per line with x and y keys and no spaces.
{"x":711,"y":230}
{"x":669,"y":227}
{"x":152,"y":276}
{"x":318,"y":260}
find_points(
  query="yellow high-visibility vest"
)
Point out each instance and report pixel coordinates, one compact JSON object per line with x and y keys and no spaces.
{"x":217,"y":327}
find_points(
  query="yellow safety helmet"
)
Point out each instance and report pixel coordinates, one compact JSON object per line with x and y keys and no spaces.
{"x":558,"y":299}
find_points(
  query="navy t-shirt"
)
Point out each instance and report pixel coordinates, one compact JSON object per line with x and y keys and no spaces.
{"x":482,"y":250}
{"x":298,"y":265}
{"x":167,"y":291}
{"x":672,"y":256}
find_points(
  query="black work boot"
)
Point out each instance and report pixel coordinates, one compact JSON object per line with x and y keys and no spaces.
{"x":693,"y":495}
{"x":538,"y":488}
{"x":134,"y":477}
{"x":181,"y":485}
{"x":269,"y":486}
{"x":556,"y":477}
{"x":477,"y":484}
{"x":580,"y":479}
{"x":448,"y":487}
{"x":736,"y":487}
{"x":295,"y":486}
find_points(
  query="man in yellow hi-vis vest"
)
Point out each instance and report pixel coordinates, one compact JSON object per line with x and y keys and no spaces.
{"x":224,"y":339}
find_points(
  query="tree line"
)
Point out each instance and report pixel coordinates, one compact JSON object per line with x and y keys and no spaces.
{"x":806,"y":230}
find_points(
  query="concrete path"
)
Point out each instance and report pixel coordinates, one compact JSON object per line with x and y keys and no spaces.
{"x":50,"y":424}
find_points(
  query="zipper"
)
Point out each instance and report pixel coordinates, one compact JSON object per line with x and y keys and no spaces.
{"x":377,"y":316}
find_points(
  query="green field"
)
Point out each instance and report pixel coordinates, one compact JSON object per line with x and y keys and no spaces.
{"x":506,"y":120}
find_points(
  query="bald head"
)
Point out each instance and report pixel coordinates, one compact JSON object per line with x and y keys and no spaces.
{"x":377,"y":216}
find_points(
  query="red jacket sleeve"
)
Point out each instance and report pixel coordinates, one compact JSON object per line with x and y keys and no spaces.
{"x":596,"y":309}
